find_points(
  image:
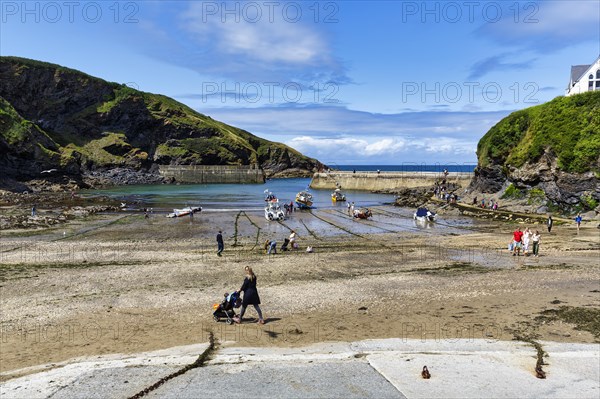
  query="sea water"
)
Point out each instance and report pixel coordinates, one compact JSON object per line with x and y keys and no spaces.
{"x":225,"y":197}
{"x":217,"y":197}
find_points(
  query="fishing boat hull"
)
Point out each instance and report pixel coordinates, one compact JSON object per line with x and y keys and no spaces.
{"x":304,"y":200}
{"x":184,"y":211}
{"x":274,"y":215}
{"x":424,"y":215}
{"x":362,"y":213}
{"x":273,"y":211}
{"x":424,"y":219}
{"x":302,"y":205}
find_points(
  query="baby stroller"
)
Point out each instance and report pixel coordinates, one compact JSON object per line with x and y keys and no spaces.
{"x":225,"y":308}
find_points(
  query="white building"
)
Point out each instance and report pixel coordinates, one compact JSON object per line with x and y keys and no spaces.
{"x":584,"y":78}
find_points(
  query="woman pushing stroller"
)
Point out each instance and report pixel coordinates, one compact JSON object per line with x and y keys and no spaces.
{"x":250,"y":296}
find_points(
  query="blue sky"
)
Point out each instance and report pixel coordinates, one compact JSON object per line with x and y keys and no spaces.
{"x":372,"y":82}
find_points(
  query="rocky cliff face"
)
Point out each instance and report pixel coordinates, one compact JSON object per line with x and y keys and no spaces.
{"x":82,"y":126}
{"x":551,"y":151}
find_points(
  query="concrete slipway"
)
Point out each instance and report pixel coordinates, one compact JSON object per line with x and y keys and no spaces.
{"x":388,"y":368}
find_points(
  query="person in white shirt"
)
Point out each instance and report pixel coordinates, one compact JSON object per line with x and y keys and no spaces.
{"x":526,"y":238}
{"x":536,"y":238}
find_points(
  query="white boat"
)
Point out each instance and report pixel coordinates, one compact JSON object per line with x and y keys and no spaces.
{"x":184,"y":211}
{"x":424,"y":215}
{"x":273,"y":211}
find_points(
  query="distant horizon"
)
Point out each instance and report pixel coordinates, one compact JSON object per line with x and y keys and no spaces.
{"x":406,"y":167}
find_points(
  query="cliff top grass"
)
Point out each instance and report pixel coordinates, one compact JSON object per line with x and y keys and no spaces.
{"x":567,"y":126}
{"x":27,"y":62}
{"x":161,"y":127}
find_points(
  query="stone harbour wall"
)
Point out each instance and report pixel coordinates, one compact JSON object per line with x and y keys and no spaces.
{"x":213,"y":173}
{"x":373,"y":181}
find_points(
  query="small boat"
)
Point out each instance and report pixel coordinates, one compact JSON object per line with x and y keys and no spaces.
{"x":337,"y":196}
{"x":304,"y":200}
{"x":184,"y":211}
{"x":362,"y":213}
{"x":424,"y":215}
{"x":273,"y":211}
{"x":269,"y":196}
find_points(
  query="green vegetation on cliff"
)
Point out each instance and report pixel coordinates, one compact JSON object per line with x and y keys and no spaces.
{"x":23,"y":145}
{"x":567,"y":126}
{"x":97,"y":124}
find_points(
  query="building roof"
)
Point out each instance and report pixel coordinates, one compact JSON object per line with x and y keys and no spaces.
{"x":577,"y":71}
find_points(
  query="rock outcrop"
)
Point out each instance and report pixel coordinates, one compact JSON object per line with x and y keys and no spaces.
{"x":551,"y":150}
{"x":82,"y":127}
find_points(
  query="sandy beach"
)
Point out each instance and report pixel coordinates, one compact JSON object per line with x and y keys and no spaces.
{"x":119,"y":283}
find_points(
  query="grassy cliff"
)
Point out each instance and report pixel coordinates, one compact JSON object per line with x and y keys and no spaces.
{"x":95,"y":124}
{"x":548,"y":154}
{"x":569,"y":127}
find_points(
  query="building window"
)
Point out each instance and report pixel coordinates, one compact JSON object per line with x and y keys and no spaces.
{"x":598,"y":74}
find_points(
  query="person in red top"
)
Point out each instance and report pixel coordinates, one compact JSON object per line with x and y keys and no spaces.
{"x":517,"y":237}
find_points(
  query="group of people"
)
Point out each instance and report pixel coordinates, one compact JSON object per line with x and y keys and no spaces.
{"x":288,"y":208}
{"x":492,"y":205}
{"x":522,"y":240}
{"x":270,"y":245}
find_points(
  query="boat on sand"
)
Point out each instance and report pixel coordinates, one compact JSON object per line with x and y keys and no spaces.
{"x":362,"y":213}
{"x":273,"y":211}
{"x":424,"y":215}
{"x":304,"y":200}
{"x":184,"y":211}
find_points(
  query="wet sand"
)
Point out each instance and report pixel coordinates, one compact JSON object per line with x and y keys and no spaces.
{"x":119,"y":283}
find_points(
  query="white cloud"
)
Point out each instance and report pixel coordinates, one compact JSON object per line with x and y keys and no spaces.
{"x":271,"y":42}
{"x":272,"y":49}
{"x":547,"y":25}
{"x":343,"y":136}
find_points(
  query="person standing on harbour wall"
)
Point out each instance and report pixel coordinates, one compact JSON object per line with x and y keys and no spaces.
{"x":220,"y":245}
{"x":549,"y":223}
{"x":578,"y":220}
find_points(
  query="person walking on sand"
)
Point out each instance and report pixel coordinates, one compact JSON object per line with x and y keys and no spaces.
{"x":536,"y":238}
{"x":525,"y":240}
{"x":250,"y":296}
{"x":578,"y":220}
{"x":33,"y":210}
{"x":293,"y":239}
{"x":549,"y":223}
{"x":517,"y":237}
{"x":352,"y":209}
{"x":220,"y":245}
